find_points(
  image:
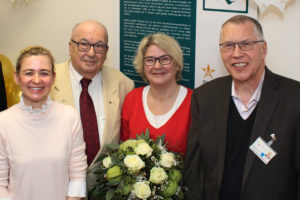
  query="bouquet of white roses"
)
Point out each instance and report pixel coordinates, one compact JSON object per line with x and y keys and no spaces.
{"x":139,"y":168}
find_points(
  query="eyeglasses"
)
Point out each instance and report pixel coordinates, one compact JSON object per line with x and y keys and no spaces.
{"x":164,"y":60}
{"x":85,"y":46}
{"x":243,"y":45}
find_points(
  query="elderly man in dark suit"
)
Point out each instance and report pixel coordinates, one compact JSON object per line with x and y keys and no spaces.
{"x":244,"y":141}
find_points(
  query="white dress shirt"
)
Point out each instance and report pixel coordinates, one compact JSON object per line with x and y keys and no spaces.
{"x":95,"y":91}
{"x":246,"y":110}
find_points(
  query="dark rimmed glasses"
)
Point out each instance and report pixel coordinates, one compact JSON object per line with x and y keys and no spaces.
{"x":85,"y":46}
{"x":163,"y":60}
{"x":243,"y":45}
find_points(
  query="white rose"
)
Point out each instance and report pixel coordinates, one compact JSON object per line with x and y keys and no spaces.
{"x":140,"y":141}
{"x":157,"y":175}
{"x":142,"y":189}
{"x":107,"y":162}
{"x":167,"y":160}
{"x":143,"y":149}
{"x":134,"y":163}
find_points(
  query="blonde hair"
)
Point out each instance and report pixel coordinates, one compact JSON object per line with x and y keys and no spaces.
{"x":34,"y":51}
{"x":166,"y":43}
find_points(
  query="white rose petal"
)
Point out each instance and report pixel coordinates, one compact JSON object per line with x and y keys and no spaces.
{"x":143,"y":149}
{"x":167,"y":160}
{"x":134,"y":163}
{"x":157,"y":175}
{"x":142,"y":190}
{"x":107,"y":162}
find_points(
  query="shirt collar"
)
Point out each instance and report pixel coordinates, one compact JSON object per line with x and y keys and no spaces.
{"x":77,"y":77}
{"x":43,"y":110}
{"x":256,"y":95}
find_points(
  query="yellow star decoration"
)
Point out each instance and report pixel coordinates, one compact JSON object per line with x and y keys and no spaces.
{"x":208,"y":71}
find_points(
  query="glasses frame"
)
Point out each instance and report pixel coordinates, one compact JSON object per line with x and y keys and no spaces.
{"x":158,"y":59}
{"x":252,"y":42}
{"x":90,"y":45}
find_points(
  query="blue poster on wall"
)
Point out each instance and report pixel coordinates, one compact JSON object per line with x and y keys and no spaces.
{"x":139,"y":18}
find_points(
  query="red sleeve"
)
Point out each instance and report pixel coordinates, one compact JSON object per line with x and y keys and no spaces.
{"x":124,"y":134}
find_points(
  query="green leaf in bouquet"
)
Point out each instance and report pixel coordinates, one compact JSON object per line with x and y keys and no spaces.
{"x":98,"y":191}
{"x":113,"y":183}
{"x":179,"y":160}
{"x":110,"y":194}
{"x":180,"y":194}
{"x":126,"y":190}
{"x":112,"y":147}
{"x":123,"y":188}
{"x":115,"y":159}
{"x":99,"y":171}
{"x":160,"y":141}
{"x":100,"y":157}
{"x":147,"y":134}
{"x":144,"y":135}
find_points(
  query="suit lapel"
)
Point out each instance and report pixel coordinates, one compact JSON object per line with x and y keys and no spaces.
{"x":266,"y":106}
{"x":222,"y":117}
{"x":62,"y":88}
{"x":111,"y":105}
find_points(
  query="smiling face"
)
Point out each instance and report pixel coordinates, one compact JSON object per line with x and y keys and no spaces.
{"x":244,"y":66}
{"x":89,"y":63}
{"x":35,"y":79}
{"x":159,"y":74}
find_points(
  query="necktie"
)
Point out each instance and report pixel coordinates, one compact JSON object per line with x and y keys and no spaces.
{"x":89,"y":122}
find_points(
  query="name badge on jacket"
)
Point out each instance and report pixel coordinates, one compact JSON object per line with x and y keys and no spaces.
{"x":262,"y":150}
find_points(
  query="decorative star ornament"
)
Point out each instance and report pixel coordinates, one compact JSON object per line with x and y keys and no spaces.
{"x":264,"y":4}
{"x":208,"y":71}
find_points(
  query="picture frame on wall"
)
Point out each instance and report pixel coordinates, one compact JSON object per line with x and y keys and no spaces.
{"x":235,"y":6}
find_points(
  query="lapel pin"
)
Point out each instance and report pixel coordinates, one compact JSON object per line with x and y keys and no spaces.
{"x":273,"y":139}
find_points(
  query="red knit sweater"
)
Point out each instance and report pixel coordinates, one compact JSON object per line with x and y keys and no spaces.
{"x":134,"y":121}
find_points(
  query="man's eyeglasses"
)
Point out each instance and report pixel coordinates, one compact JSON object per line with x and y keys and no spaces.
{"x":164,"y":60}
{"x":243,"y":45}
{"x":85,"y":46}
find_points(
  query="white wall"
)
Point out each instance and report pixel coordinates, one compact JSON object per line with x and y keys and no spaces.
{"x":49,"y":23}
{"x":282,"y":32}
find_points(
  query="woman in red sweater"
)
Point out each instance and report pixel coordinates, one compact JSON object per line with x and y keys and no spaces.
{"x":163,"y":106}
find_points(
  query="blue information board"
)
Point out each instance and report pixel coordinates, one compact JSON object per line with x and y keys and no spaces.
{"x":139,"y":18}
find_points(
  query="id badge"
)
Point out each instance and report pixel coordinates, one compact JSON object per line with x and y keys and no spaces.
{"x":262,"y":150}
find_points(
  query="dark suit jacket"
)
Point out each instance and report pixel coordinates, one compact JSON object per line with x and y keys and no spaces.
{"x":278,"y":112}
